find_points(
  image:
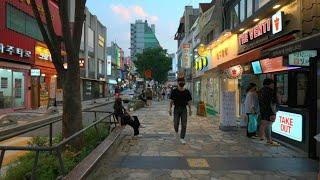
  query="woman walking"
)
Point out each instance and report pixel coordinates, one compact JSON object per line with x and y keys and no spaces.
{"x":149,"y":95}
{"x":252,"y":109}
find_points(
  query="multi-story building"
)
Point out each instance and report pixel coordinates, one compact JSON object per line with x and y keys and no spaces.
{"x":27,"y":75}
{"x":115,"y":56}
{"x":185,"y":38}
{"x":142,"y":37}
{"x":93,"y":53}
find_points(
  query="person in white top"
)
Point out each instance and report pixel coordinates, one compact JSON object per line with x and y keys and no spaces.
{"x":251,"y":104}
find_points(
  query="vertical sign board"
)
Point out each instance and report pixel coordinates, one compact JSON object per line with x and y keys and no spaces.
{"x":228,"y":111}
{"x":186,"y":56}
{"x":108,"y":65}
{"x":289,"y":125}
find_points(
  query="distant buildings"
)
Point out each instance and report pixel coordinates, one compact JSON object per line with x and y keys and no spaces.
{"x":142,"y":37}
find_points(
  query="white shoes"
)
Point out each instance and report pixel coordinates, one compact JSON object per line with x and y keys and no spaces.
{"x":183,"y":141}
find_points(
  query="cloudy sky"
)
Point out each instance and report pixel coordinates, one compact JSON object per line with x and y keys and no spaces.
{"x":117,"y":15}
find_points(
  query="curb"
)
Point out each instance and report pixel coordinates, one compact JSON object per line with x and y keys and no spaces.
{"x":45,"y":120}
{"x":84,"y":168}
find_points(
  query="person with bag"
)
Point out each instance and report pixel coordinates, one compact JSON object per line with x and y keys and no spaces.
{"x":124,"y":117}
{"x":252,"y":110}
{"x":149,"y":95}
{"x":267,"y":102}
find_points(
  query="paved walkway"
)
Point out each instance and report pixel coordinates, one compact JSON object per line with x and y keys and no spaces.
{"x":208,"y":154}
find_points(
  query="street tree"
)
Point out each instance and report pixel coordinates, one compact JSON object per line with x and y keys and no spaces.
{"x":156,"y":60}
{"x":70,"y":43}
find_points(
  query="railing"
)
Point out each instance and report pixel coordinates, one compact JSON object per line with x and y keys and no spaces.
{"x":57,"y":147}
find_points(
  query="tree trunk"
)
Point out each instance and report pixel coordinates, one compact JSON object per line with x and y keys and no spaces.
{"x":72,"y":107}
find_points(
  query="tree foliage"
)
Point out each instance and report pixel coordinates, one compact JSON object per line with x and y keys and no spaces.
{"x":156,"y":60}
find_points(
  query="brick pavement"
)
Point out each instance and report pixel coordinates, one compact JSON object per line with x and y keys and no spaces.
{"x":208,"y":154}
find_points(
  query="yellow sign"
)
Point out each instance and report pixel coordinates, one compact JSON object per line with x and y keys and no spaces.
{"x":42,"y":53}
{"x":101,"y":41}
{"x":225,"y":51}
{"x":201,"y":62}
{"x":202,"y":50}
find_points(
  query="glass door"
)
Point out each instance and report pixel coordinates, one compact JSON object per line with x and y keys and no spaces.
{"x":18,"y":89}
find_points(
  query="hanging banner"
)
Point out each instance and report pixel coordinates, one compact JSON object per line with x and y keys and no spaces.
{"x":186,"y":55}
{"x":108,"y":65}
{"x":234,"y":72}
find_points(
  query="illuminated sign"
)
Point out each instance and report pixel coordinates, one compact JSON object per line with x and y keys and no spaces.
{"x":108,"y":65}
{"x":43,"y":53}
{"x":274,"y":65}
{"x":289,"y":125}
{"x":81,"y":62}
{"x":35,"y":72}
{"x":273,"y":24}
{"x":11,"y":50}
{"x":301,"y":58}
{"x":256,"y":67}
{"x":277,"y":22}
{"x":201,"y":62}
{"x":234,"y":72}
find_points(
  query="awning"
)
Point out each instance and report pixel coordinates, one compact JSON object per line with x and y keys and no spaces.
{"x":306,"y":43}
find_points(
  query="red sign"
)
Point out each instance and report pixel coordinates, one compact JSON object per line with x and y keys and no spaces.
{"x":234,"y":72}
{"x":148,"y":74}
{"x":273,"y":65}
{"x":260,"y":29}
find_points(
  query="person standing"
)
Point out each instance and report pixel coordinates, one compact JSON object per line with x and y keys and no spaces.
{"x":180,"y":98}
{"x":251,"y":106}
{"x":149,"y":95}
{"x":267,"y":102}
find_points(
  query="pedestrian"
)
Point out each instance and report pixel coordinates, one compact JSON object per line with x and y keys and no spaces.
{"x":180,"y":98}
{"x":267,"y":102}
{"x":163,"y":93}
{"x":124,"y":117}
{"x":149,"y":95}
{"x":252,"y":109}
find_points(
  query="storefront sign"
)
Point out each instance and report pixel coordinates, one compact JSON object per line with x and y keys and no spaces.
{"x":272,"y":65}
{"x":109,"y":65}
{"x":201,"y":62}
{"x":277,"y":22}
{"x":81,"y":62}
{"x":234,"y":72}
{"x":301,"y":58}
{"x":222,"y":53}
{"x":256,"y":67}
{"x":262,"y":32}
{"x":11,"y":50}
{"x":112,"y":81}
{"x":289,"y":125}
{"x":43,"y":53}
{"x":186,"y":55}
{"x":35,"y":72}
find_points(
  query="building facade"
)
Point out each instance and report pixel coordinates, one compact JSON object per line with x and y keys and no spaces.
{"x":27,"y":75}
{"x":92,"y":55}
{"x":143,"y":36}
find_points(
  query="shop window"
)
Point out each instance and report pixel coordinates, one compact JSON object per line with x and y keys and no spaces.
{"x":4,"y":83}
{"x":282,"y":89}
{"x":234,"y":16}
{"x":18,"y":88}
{"x":249,"y":7}
{"x":32,"y":28}
{"x":242,"y":10}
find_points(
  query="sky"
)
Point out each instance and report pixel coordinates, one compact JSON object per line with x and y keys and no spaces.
{"x":117,"y":15}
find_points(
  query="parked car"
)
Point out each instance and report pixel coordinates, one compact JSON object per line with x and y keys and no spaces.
{"x":127,"y":95}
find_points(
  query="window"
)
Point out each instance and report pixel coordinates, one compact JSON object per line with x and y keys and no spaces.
{"x":249,"y":7}
{"x":282,"y":89}
{"x":242,"y":10}
{"x":22,"y":23}
{"x":260,"y":3}
{"x":18,"y":88}
{"x":234,"y":16}
{"x":4,"y":83}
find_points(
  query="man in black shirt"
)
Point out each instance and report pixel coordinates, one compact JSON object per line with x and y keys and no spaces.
{"x":180,"y":98}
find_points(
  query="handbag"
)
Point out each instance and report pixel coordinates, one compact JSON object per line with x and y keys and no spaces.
{"x":253,"y":123}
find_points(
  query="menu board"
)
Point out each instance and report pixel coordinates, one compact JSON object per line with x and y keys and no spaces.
{"x":228,"y":111}
{"x":274,"y":65}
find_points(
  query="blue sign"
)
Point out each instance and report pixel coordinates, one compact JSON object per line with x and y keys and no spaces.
{"x":256,"y":66}
{"x":289,"y":125}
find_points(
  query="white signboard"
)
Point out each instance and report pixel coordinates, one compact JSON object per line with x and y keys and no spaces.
{"x":228,"y":110}
{"x":35,"y":72}
{"x":108,"y":65}
{"x":289,"y":125}
{"x":277,"y":22}
{"x":186,"y":56}
{"x":301,"y":58}
{"x":11,"y":50}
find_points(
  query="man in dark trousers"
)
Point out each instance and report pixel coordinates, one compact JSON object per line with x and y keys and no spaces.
{"x":180,"y":98}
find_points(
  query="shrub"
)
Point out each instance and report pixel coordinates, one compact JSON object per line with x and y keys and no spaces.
{"x":48,"y":164}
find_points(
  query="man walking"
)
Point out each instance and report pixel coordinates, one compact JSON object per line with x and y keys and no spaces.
{"x":180,"y":98}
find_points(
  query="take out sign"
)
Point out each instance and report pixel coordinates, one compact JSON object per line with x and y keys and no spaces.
{"x":289,"y":125}
{"x":273,"y":24}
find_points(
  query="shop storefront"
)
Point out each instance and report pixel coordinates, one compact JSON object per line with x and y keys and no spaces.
{"x":44,"y":78}
{"x":14,"y":77}
{"x":92,"y":89}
